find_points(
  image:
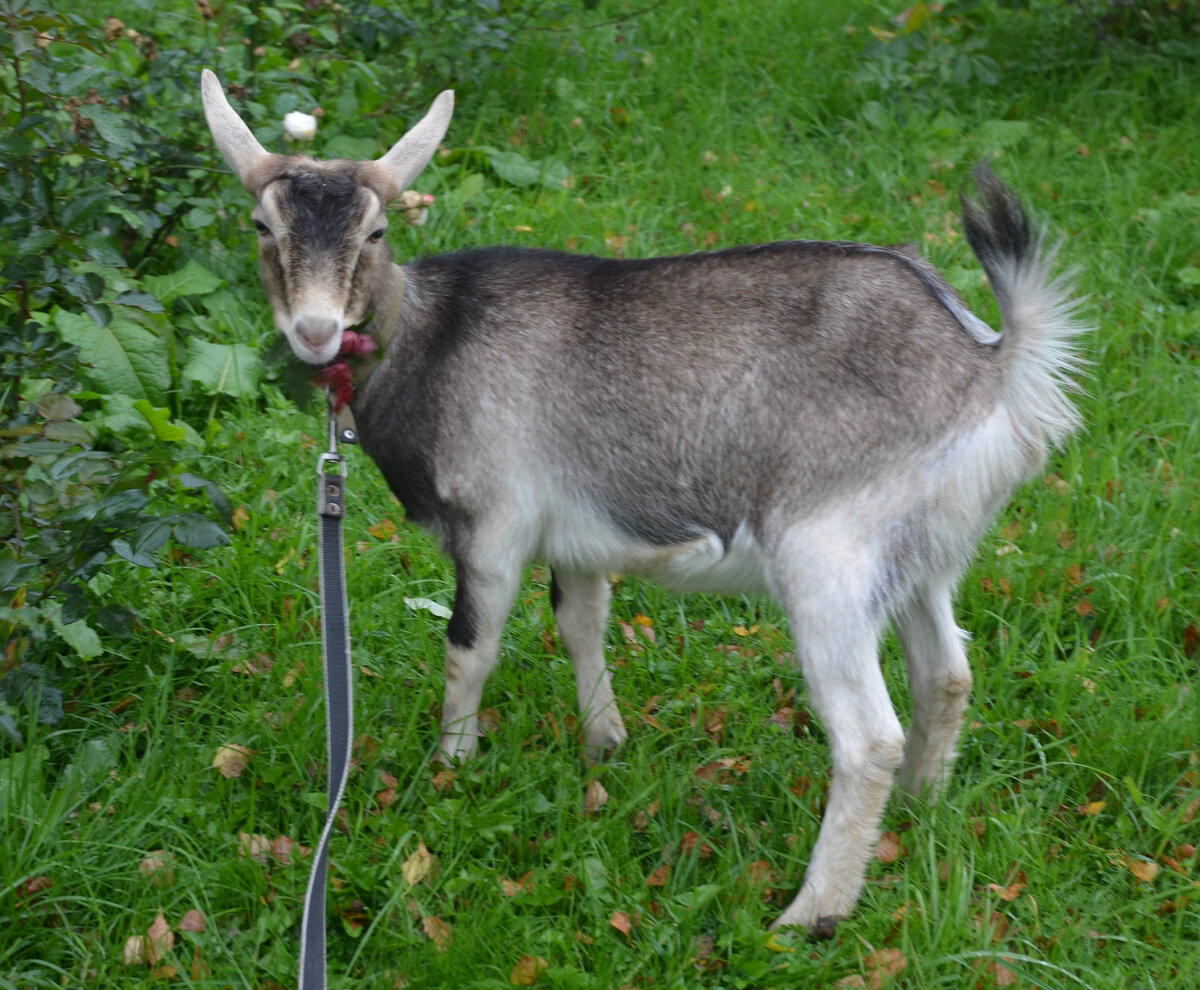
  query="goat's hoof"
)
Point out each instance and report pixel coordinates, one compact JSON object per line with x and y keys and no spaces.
{"x":826,"y":926}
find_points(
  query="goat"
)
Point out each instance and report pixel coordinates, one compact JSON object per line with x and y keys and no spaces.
{"x":826,"y":422}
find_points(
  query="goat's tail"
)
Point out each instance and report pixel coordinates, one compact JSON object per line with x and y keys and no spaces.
{"x":1039,"y":310}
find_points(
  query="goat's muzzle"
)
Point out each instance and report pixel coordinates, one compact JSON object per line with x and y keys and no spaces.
{"x":316,"y":339}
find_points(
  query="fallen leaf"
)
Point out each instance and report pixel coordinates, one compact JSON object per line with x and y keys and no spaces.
{"x":659,"y":877}
{"x":1091,"y":809}
{"x":283,"y":848}
{"x":200,"y":970}
{"x":594,"y":798}
{"x":882,"y":965}
{"x":159,"y":940}
{"x":488,"y":720}
{"x":622,"y":922}
{"x":439,"y":932}
{"x":419,"y":865}
{"x":134,"y":953}
{"x":192,"y":921}
{"x":443,"y":780}
{"x":385,"y":529}
{"x":527,"y":970}
{"x":254,"y":846}
{"x":1011,"y":889}
{"x":691,"y":841}
{"x":779,"y":943}
{"x":1143,"y":870}
{"x":511,"y":888}
{"x":231,"y":760}
{"x":157,"y":867}
{"x":888,"y":849}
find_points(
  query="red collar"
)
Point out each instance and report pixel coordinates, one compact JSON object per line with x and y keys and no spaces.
{"x":338,"y":376}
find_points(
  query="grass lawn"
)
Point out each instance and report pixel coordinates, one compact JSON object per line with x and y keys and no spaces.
{"x":1063,"y":852}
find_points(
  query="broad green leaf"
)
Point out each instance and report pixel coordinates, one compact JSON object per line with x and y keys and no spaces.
{"x":199,"y":533}
{"x":78,"y":635}
{"x":109,"y":126}
{"x":160,"y":420}
{"x":193,"y":279}
{"x":123,"y":357}
{"x":518,"y":170}
{"x":223,"y":369}
{"x":22,"y":784}
{"x":139,"y":300}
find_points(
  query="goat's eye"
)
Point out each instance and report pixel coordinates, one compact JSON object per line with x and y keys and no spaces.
{"x":376,"y":235}
{"x":261,"y":227}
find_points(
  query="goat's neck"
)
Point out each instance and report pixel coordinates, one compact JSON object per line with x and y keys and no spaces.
{"x":387,"y":311}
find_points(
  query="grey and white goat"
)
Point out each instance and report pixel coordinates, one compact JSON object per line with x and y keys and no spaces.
{"x":822,"y":421}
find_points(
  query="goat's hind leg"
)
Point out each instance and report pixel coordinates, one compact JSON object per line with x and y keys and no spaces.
{"x":581,"y":610}
{"x":837,"y":630}
{"x":940,"y":680}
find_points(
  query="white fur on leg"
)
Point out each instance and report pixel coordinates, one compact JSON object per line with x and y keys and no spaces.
{"x":489,"y":593}
{"x":466,"y":671}
{"x":940,"y":680}
{"x":825,"y":583}
{"x":582,"y":613}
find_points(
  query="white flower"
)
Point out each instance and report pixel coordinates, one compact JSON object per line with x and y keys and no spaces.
{"x":300,"y":126}
{"x":415,"y":206}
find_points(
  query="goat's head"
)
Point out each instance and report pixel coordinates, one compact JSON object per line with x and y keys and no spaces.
{"x":320,"y":224}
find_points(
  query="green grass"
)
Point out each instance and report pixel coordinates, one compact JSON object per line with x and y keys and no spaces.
{"x":686,"y":126}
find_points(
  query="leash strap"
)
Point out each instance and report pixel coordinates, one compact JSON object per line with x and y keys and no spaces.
{"x":339,"y":704}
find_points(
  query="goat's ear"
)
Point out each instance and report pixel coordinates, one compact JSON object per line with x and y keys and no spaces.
{"x":393,"y":172}
{"x":233,"y":138}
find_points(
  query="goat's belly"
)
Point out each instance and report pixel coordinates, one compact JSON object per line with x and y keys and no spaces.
{"x":704,"y":563}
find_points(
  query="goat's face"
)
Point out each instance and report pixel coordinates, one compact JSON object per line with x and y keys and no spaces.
{"x":321,"y":248}
{"x":320,"y":224}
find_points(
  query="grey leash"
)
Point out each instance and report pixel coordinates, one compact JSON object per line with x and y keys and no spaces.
{"x":339,"y":689}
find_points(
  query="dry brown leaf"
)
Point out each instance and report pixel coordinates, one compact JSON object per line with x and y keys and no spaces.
{"x":199,"y":968}
{"x":1143,"y":870}
{"x":659,"y":877}
{"x":1011,"y":890}
{"x":254,"y":846}
{"x":997,"y":975}
{"x":888,"y":849}
{"x":439,"y":932}
{"x":385,"y":529}
{"x":159,"y":940}
{"x":882,"y":965}
{"x":231,"y":759}
{"x":691,"y":841}
{"x":157,"y":867}
{"x":419,"y":865}
{"x":192,"y":921}
{"x":594,"y":798}
{"x":527,"y":970}
{"x":283,"y":849}
{"x":511,"y":888}
{"x":134,"y":953}
{"x":443,"y":780}
{"x":622,"y":922}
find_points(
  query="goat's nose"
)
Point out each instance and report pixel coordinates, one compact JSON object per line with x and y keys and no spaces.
{"x":317,"y":331}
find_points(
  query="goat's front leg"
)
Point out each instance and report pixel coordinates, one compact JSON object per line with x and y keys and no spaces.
{"x":581,"y":610}
{"x":837,"y":641}
{"x":482,"y":601}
